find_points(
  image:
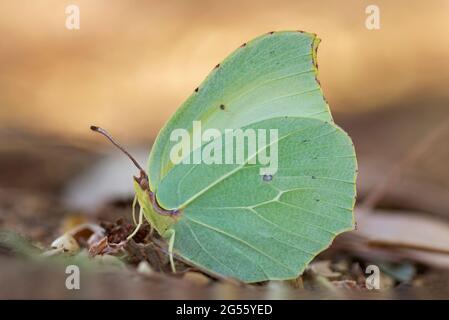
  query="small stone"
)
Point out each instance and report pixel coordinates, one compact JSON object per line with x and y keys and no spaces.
{"x":145,"y":269}
{"x":66,"y":243}
{"x":196,"y":278}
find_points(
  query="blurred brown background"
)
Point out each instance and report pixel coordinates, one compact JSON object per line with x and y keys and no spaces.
{"x":132,"y":63}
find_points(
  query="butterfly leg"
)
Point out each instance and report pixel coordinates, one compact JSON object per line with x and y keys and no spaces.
{"x":171,"y":242}
{"x":134,"y":209}
{"x":139,"y":224}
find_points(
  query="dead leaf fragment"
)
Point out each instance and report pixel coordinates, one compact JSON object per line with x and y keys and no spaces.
{"x":323,"y":268}
{"x":347,"y":285}
{"x":98,"y":247}
{"x":396,"y":236}
{"x":83,"y":232}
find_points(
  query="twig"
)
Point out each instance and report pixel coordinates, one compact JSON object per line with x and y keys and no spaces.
{"x":404,"y":245}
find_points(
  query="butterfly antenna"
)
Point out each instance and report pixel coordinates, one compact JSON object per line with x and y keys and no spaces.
{"x":109,"y":137}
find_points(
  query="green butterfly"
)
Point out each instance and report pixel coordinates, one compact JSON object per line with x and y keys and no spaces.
{"x":229,"y":219}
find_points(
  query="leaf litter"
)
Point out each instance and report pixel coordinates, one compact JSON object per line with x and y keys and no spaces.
{"x":386,"y":238}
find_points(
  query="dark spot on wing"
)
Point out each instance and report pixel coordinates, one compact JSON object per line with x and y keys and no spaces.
{"x":217,"y":66}
{"x":243,"y":45}
{"x":222,"y":106}
{"x":271,"y":32}
{"x":267,"y":177}
{"x":196,"y":89}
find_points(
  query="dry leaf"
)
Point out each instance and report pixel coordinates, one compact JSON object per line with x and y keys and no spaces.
{"x":402,"y":235}
{"x":323,"y":268}
{"x":98,"y":247}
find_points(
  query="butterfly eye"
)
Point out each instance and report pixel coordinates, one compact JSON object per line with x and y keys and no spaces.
{"x":144,"y":184}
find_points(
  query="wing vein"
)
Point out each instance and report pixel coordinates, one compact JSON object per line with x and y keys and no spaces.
{"x":241,"y":241}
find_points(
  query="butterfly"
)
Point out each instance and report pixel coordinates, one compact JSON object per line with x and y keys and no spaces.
{"x":263,"y":208}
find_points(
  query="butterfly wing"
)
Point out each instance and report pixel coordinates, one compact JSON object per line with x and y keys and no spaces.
{"x":272,"y":75}
{"x":236,"y":223}
{"x":233,"y":221}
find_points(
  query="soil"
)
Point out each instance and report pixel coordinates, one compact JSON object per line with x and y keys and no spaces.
{"x":35,"y":169}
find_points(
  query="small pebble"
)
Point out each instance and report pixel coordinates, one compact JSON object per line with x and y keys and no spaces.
{"x":196,"y":278}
